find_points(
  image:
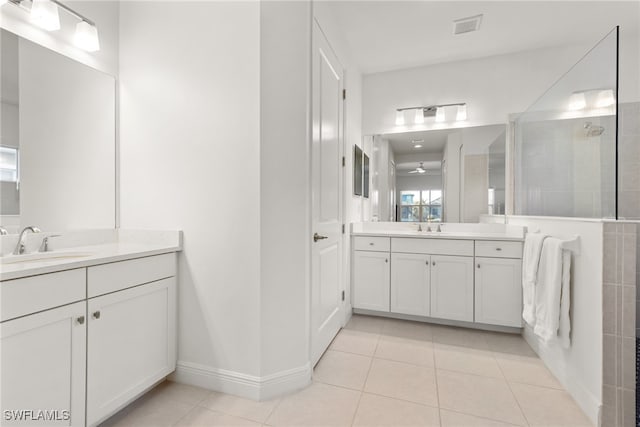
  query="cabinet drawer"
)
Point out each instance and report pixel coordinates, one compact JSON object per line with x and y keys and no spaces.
{"x":106,"y":278}
{"x":375,"y":244}
{"x":433,"y":246}
{"x":498,"y":249}
{"x":28,"y":295}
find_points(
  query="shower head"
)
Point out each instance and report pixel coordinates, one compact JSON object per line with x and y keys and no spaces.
{"x":592,"y":130}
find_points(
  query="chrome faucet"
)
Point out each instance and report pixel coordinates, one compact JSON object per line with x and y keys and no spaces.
{"x":419,"y":227}
{"x":19,"y":250}
{"x":3,"y":231}
{"x":439,"y":228}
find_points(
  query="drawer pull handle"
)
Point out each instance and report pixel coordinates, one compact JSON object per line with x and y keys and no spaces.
{"x":498,"y":249}
{"x":96,"y":314}
{"x":80,"y":320}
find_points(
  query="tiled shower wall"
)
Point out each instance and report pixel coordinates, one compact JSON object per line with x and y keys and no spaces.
{"x":619,"y":325}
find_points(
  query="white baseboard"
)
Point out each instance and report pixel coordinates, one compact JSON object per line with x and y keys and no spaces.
{"x":243,"y":385}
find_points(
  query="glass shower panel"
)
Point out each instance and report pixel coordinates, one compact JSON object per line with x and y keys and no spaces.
{"x":565,"y":143}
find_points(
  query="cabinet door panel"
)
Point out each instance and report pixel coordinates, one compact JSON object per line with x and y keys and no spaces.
{"x":499,"y":291}
{"x":410,"y":291}
{"x":452,"y":287}
{"x":43,"y":365}
{"x":371,"y":280}
{"x":131,"y":345}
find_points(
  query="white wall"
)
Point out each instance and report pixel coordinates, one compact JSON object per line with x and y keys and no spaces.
{"x":492,"y":87}
{"x":578,"y":368}
{"x":190,"y":124}
{"x":285,"y":34}
{"x":104,"y":13}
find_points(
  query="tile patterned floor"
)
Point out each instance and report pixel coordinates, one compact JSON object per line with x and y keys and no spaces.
{"x":384,"y":372}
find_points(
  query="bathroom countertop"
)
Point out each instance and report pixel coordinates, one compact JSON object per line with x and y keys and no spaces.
{"x":127,"y":247}
{"x":439,"y":235}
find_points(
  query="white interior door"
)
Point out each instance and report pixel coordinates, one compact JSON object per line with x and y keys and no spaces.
{"x":326,"y":192}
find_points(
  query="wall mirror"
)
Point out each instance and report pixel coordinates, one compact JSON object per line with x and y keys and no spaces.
{"x":57,"y":141}
{"x":443,"y":175}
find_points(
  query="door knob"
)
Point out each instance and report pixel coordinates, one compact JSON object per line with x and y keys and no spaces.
{"x":317,"y":237}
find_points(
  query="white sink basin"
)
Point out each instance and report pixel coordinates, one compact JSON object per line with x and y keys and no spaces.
{"x":43,"y":257}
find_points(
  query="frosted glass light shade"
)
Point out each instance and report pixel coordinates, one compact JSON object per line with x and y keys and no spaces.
{"x":419,"y":118}
{"x":86,"y":37}
{"x":44,"y":14}
{"x":577,"y":101}
{"x":399,"y":118}
{"x":605,"y":98}
{"x":440,"y":114}
{"x":462,"y":113}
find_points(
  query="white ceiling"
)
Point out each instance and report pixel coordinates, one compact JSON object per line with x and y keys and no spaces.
{"x":389,"y":35}
{"x":433,"y":141}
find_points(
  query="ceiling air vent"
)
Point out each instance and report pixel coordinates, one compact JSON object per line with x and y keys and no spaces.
{"x":467,"y":25}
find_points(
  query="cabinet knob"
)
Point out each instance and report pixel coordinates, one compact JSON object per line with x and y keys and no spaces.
{"x":498,"y":249}
{"x":96,"y":314}
{"x":386,"y":260}
{"x":80,"y":320}
{"x":478,"y":265}
{"x":433,"y":263}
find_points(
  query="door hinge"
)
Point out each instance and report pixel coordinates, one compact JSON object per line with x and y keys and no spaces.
{"x":344,"y":161}
{"x":344,"y":94}
{"x":343,"y":227}
{"x":342,"y":295}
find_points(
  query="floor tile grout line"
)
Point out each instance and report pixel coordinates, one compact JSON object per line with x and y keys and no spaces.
{"x":457,"y":411}
{"x":435,"y":375}
{"x":524,"y":416}
{"x":364,"y":385}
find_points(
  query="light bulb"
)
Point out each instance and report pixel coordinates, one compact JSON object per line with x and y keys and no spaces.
{"x":44,"y":13}
{"x":419,"y":118}
{"x":577,"y":101}
{"x":605,"y":98}
{"x":417,"y":146}
{"x":462,"y":113}
{"x":86,"y":37}
{"x":440,"y":114}
{"x":399,"y":118}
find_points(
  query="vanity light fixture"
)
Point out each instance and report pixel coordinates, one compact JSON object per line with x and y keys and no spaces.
{"x":577,"y":101}
{"x":462,"y":113}
{"x":44,"y":13}
{"x":86,"y":37}
{"x":432,"y":111}
{"x":605,"y":98}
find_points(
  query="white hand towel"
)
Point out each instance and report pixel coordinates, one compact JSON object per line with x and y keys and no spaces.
{"x":548,"y":290}
{"x":565,"y":301}
{"x":530,"y":262}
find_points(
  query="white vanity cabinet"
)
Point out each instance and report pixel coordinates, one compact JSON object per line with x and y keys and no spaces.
{"x":452,"y":287}
{"x":43,"y":366}
{"x":371,"y":273}
{"x":411,"y":284}
{"x":498,"y":278}
{"x":85,"y":342}
{"x":131,"y":340}
{"x":43,"y":348}
{"x":450,"y":279}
